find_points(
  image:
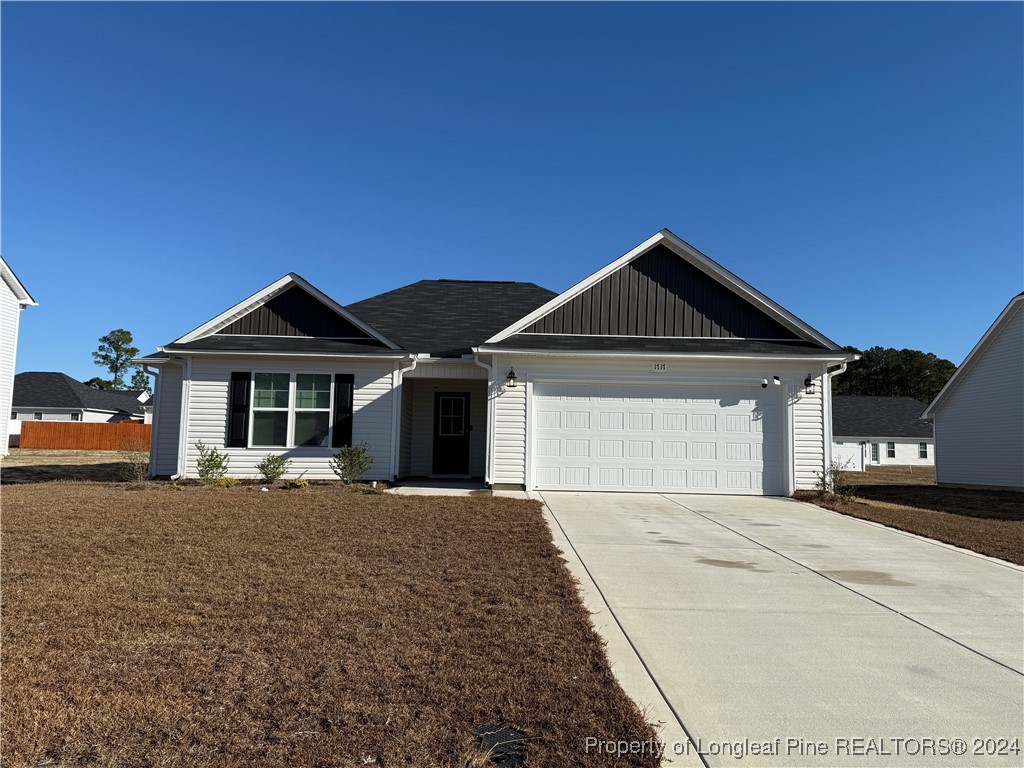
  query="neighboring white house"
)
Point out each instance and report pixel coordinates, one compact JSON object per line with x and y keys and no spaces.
{"x":872,"y":431}
{"x":52,"y":396}
{"x":661,"y":372}
{"x":13,"y":298}
{"x":979,"y":414}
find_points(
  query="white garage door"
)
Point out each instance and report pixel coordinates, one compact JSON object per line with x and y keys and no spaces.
{"x":669,"y":439}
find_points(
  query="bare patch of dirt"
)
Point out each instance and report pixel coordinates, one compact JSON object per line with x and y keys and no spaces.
{"x":32,"y":465}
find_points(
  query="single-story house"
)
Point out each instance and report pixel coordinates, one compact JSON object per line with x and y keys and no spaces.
{"x":979,"y":414}
{"x":871,"y":431}
{"x":661,"y":372}
{"x":13,"y":299}
{"x":53,"y":396}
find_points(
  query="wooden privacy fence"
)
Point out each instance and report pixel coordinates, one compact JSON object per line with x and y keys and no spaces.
{"x":77,"y":435}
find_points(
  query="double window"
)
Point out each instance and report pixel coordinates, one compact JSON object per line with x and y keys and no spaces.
{"x":922,"y":450}
{"x":289,"y":410}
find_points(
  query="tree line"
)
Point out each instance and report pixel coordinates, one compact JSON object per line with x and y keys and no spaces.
{"x":888,"y":372}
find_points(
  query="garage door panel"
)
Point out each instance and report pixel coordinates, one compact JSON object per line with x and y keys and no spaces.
{"x":654,"y":438}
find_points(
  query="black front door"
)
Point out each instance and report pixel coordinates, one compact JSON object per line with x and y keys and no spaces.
{"x":451,"y":433}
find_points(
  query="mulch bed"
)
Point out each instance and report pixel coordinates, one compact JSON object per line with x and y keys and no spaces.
{"x":988,"y":522}
{"x":313,"y":627}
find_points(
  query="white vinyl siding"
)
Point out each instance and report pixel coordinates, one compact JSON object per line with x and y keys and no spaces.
{"x":907,"y":451}
{"x":163,"y":450}
{"x":10,"y":314}
{"x":371,"y":420}
{"x":421,"y":425}
{"x":805,"y":412}
{"x":979,"y":427}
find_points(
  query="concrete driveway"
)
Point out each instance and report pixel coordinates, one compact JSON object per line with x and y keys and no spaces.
{"x":770,"y":632}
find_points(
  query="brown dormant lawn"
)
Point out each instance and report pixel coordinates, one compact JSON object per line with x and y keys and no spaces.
{"x":146,"y":625}
{"x":989,"y":522}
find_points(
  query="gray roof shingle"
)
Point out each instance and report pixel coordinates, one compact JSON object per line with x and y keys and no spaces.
{"x":52,"y":389}
{"x":864,"y":416}
{"x":446,"y":318}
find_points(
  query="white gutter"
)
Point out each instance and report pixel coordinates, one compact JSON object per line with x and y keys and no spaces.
{"x":259,"y":353}
{"x":767,"y":356}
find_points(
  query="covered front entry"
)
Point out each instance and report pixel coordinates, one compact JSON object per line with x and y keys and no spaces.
{"x":443,"y":428}
{"x":659,"y":438}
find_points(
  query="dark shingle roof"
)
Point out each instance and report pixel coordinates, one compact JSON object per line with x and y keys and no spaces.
{"x":448,"y":317}
{"x":569,"y":343}
{"x":862,"y":416}
{"x":39,"y":389}
{"x":297,"y":344}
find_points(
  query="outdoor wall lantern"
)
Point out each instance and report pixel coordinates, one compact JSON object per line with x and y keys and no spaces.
{"x":809,"y":385}
{"x":764,"y":383}
{"x":511,"y":381}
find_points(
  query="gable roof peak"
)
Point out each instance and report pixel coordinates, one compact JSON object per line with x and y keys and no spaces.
{"x":697,"y":260}
{"x":279,"y":286}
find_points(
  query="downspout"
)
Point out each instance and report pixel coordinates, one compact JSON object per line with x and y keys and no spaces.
{"x":396,"y":413}
{"x":186,"y":390}
{"x":488,"y":456}
{"x":826,"y":398}
{"x":154,"y":433}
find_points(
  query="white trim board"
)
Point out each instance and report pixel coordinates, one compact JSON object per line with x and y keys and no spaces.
{"x":1016,"y":303}
{"x":17,"y":288}
{"x":266,"y":294}
{"x":685,"y":251}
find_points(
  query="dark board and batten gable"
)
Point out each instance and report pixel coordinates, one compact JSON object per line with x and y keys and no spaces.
{"x":294,"y":312}
{"x":661,"y":294}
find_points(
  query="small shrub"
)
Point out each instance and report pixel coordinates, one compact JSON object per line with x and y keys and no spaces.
{"x":351,"y":462}
{"x":298,"y":482}
{"x":272,"y":468}
{"x":225,"y":482}
{"x":134,"y":454}
{"x":211,"y":464}
{"x":836,"y":481}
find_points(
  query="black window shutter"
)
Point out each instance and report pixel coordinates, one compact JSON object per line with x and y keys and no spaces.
{"x":344,"y":383}
{"x":238,"y":410}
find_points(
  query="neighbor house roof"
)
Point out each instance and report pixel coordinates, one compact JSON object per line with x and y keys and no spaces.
{"x":447,"y":318}
{"x":20,"y":292}
{"x":1016,"y":305}
{"x":50,"y":389}
{"x":863,"y":416}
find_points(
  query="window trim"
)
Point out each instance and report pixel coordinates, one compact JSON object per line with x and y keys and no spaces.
{"x":922,"y":450}
{"x":890,"y":450}
{"x":291,"y":410}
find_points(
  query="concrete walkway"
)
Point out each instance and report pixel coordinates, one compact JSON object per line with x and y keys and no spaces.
{"x":776,"y":633}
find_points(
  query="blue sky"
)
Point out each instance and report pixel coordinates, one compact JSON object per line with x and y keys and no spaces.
{"x":859,"y":163}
